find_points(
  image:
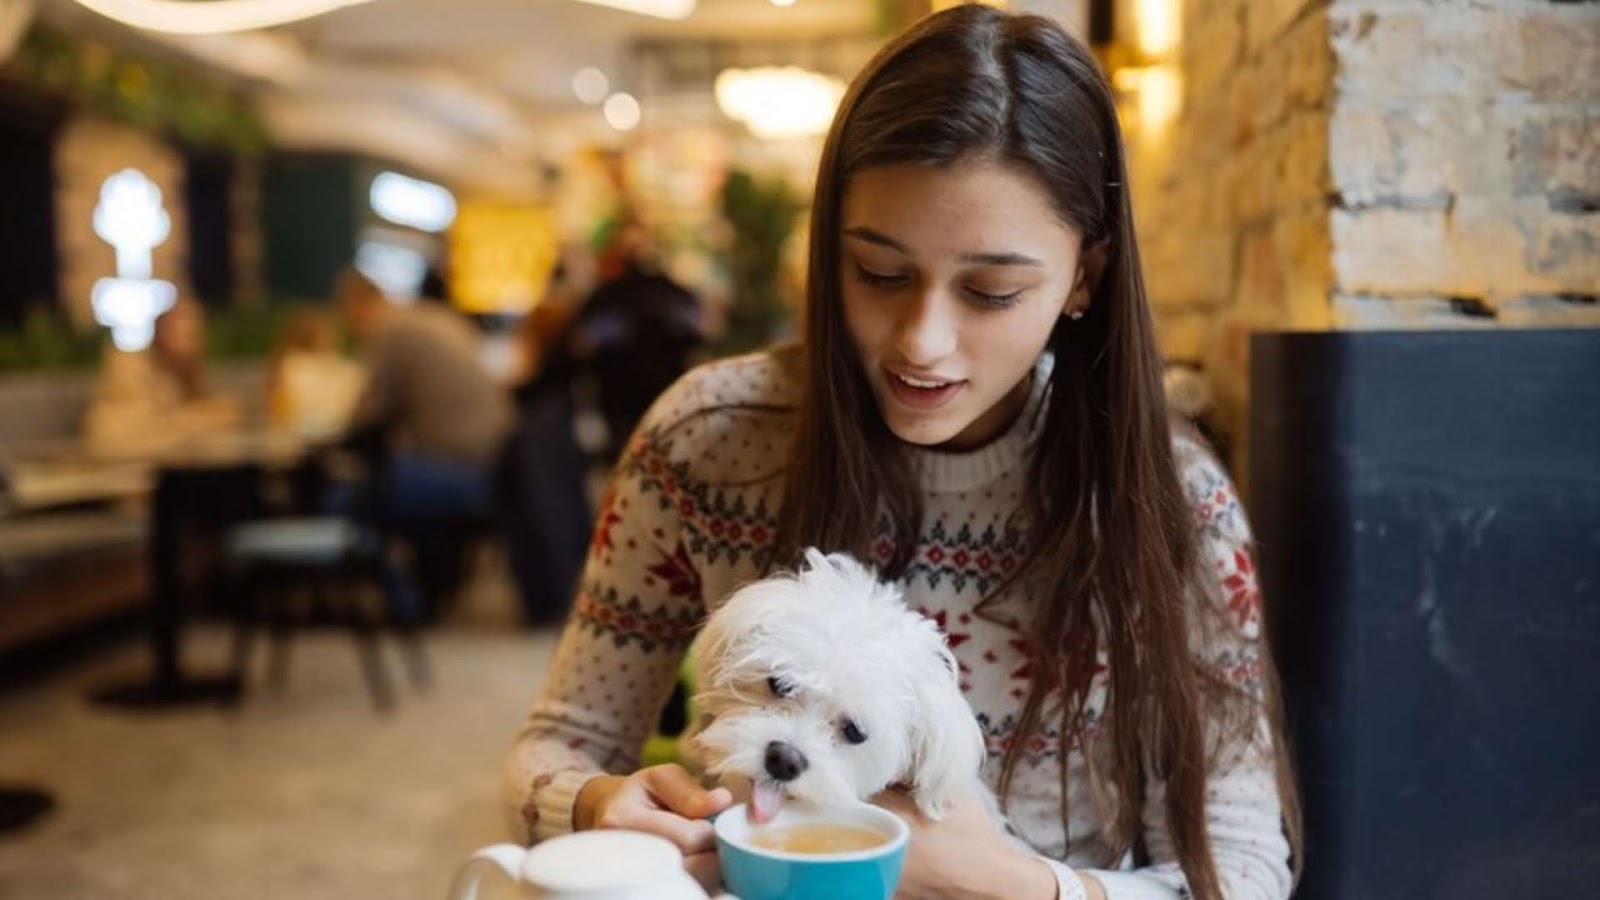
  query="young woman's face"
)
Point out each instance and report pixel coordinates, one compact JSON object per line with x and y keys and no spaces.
{"x":952,"y":279}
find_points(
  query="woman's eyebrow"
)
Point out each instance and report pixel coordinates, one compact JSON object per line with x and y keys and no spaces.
{"x":1000,"y":259}
{"x":862,"y":233}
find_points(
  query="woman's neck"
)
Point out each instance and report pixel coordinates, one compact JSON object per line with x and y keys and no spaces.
{"x":961,"y":465}
{"x":994,"y":423}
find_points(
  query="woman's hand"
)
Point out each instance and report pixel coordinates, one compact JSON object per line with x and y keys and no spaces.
{"x":964,"y":855}
{"x":662,"y":800}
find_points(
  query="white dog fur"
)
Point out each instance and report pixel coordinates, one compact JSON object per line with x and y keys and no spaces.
{"x":841,"y":648}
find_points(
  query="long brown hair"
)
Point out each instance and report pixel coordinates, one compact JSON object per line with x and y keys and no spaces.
{"x":1113,"y":546}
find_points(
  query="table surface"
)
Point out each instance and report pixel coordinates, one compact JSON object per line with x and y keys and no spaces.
{"x":78,"y":477}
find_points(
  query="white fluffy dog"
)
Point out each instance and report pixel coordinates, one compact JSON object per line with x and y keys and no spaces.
{"x":823,"y":687}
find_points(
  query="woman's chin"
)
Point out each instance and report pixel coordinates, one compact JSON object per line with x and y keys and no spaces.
{"x":930,"y":435}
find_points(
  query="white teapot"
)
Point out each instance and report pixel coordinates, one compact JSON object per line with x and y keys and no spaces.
{"x":589,"y":865}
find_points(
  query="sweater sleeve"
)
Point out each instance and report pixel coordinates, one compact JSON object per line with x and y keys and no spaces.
{"x":1243,"y":814}
{"x":638,"y":605}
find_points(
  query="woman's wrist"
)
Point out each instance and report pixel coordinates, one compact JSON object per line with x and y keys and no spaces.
{"x":1011,"y":876}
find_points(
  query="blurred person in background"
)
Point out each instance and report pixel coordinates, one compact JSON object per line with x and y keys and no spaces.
{"x":540,"y":331}
{"x":546,"y":324}
{"x":541,"y":504}
{"x":433,"y":288}
{"x":312,"y":386}
{"x":153,"y":400}
{"x":432,"y":419}
{"x":632,"y":337}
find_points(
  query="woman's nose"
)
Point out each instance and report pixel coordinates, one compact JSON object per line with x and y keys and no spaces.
{"x":927,"y":333}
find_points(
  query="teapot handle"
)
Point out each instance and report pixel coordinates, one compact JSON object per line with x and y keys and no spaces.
{"x":508,"y":857}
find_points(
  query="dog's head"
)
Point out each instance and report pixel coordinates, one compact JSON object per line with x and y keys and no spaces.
{"x":824,"y":687}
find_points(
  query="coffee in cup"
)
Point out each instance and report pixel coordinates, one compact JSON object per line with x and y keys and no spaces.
{"x":818,"y":837}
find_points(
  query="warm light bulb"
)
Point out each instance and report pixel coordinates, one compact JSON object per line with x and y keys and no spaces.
{"x":779,"y":102}
{"x":213,"y":17}
{"x":621,"y":111}
{"x":1158,"y":26}
{"x":591,"y":85}
{"x":660,"y":9}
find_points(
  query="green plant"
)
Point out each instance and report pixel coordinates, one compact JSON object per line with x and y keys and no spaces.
{"x":244,"y":332}
{"x":143,"y":92}
{"x":48,"y":341}
{"x":761,"y":214}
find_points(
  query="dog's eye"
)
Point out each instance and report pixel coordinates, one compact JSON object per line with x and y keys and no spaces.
{"x":779,"y":687}
{"x":853,"y":732}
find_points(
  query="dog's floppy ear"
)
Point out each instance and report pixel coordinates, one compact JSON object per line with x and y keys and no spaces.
{"x":726,"y":637}
{"x":947,"y":744}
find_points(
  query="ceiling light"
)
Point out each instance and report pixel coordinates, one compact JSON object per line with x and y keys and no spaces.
{"x":660,"y":9}
{"x":778,"y":102}
{"x":590,"y":85}
{"x":212,"y":16}
{"x":412,"y":201}
{"x":622,"y":112}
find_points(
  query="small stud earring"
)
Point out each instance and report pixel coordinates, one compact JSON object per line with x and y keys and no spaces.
{"x":1075,"y":315}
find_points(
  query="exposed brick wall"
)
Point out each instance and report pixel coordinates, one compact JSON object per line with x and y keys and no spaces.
{"x":88,"y":151}
{"x":1371,"y":164}
{"x":1464,"y":147}
{"x":1232,"y":204}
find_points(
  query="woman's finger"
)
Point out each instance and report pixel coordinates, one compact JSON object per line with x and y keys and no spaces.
{"x":690,"y":835}
{"x":675,"y":789}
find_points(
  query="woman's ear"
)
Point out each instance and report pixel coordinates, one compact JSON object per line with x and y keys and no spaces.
{"x":1091,"y":264}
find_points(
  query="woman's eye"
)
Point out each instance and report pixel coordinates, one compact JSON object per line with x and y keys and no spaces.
{"x":878,"y":280}
{"x":994,"y":301}
{"x":779,"y":687}
{"x":853,"y":732}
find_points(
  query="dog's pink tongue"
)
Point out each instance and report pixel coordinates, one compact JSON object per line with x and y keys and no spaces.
{"x":765,"y":800}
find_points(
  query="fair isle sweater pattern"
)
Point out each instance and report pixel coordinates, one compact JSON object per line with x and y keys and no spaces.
{"x":690,"y":516}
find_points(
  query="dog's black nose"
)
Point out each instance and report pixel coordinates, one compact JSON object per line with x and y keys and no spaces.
{"x":784,"y":762}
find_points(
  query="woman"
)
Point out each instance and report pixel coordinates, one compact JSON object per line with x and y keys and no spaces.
{"x":148,"y":402}
{"x":977,"y":407}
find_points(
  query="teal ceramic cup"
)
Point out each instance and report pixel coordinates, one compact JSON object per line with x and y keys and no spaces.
{"x":750,"y":872}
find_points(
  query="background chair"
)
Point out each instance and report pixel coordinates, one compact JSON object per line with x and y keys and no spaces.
{"x":327,"y":560}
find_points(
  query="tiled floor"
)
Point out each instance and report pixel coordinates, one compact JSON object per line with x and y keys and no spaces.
{"x":303,"y":794}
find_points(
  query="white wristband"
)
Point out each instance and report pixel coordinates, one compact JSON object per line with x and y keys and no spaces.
{"x":1068,"y":885}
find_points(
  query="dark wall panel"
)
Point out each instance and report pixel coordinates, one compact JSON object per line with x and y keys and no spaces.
{"x":28,"y":255}
{"x":207,"y":194}
{"x":309,"y":220}
{"x":1428,"y":512}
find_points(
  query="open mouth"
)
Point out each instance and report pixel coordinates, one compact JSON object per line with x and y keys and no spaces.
{"x":766,"y":798}
{"x":922,"y":393}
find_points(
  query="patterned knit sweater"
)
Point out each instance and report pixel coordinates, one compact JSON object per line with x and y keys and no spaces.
{"x":691,"y":509}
